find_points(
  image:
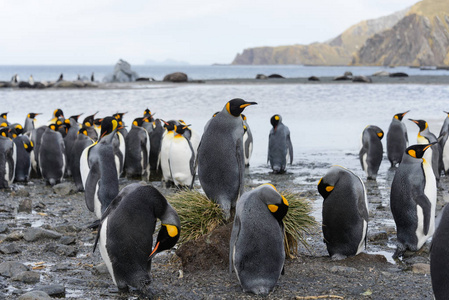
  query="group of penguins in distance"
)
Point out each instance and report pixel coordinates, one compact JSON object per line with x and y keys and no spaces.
{"x":96,"y":152}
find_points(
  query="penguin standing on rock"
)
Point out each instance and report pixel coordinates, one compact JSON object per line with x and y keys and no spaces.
{"x":8,"y":158}
{"x":280,"y":148}
{"x":345,"y":212}
{"x":52,"y":159}
{"x":181,"y":158}
{"x":413,"y":200}
{"x":125,"y":236}
{"x":371,"y":151}
{"x":397,"y":139}
{"x":98,"y":169}
{"x":257,"y":240}
{"x":82,"y":141}
{"x":155,"y":144}
{"x":221,"y":163}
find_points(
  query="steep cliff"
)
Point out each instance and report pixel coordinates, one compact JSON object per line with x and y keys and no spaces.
{"x":420,"y":39}
{"x":337,"y":51}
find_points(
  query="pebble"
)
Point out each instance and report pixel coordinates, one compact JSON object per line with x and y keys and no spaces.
{"x":21,"y":193}
{"x":421,"y":268}
{"x":64,"y":188}
{"x":25,"y":206}
{"x":9,"y":248}
{"x":101,"y":269}
{"x":34,"y":234}
{"x":3,"y":228}
{"x":341,"y":269}
{"x":67,"y":240}
{"x":378,"y":236}
{"x":11,"y":268}
{"x":53,"y":290}
{"x":27,"y":277}
{"x":14,"y":236}
{"x":62,"y":250}
{"x":35,"y":295}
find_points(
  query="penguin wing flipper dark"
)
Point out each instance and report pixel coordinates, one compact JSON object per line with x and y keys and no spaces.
{"x":241,"y":163}
{"x":91,"y":186}
{"x":425,"y":205}
{"x":97,"y":238}
{"x":192,"y":158}
{"x":290,"y":148}
{"x":195,"y":167}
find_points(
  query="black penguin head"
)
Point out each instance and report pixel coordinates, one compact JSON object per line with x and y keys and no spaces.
{"x":400,"y":115}
{"x":108,"y":125}
{"x":446,"y":113}
{"x":325,"y":188}
{"x":83,"y":130}
{"x":417,"y":151}
{"x":89,"y":120}
{"x":421,"y":124}
{"x":119,"y":116}
{"x":97,"y":122}
{"x":28,"y":145}
{"x":15,"y":131}
{"x":167,"y":237}
{"x":58,"y":113}
{"x":75,"y":117}
{"x":32,"y":115}
{"x":4,"y":131}
{"x":4,"y":115}
{"x":147,"y":114}
{"x":275,"y":120}
{"x":180,"y":129}
{"x":236,"y":106}
{"x":138,"y":122}
{"x":379,"y":132}
{"x":170,"y":125}
{"x":53,"y":127}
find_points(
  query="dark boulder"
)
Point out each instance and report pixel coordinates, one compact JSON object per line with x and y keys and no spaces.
{"x":176,"y":77}
{"x":313,"y":78}
{"x":362,"y":79}
{"x":398,"y":74}
{"x":275,"y":76}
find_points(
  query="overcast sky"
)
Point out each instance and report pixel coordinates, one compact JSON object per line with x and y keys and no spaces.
{"x":195,"y":31}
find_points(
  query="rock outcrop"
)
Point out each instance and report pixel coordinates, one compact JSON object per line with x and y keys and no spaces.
{"x":122,"y":73}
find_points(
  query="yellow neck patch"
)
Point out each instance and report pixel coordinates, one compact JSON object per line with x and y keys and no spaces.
{"x":329,"y":188}
{"x":273,"y":208}
{"x":228,"y":108}
{"x":31,"y":143}
{"x":114,"y":124}
{"x":135,"y":123}
{"x":26,"y":146}
{"x":172,"y":230}
{"x":284,"y":200}
{"x":3,"y":124}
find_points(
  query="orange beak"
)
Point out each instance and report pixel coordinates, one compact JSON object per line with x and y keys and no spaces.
{"x":154,"y":251}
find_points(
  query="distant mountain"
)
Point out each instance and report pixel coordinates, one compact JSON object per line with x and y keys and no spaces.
{"x":337,"y":51}
{"x":167,"y":62}
{"x":421,"y":38}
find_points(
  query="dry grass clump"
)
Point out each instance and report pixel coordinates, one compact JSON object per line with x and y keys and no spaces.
{"x":199,"y":216}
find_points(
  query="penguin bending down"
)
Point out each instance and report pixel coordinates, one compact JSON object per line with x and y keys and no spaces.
{"x":397,"y":139}
{"x":413,"y":200}
{"x":247,"y":141}
{"x":23,"y":162}
{"x":98,"y":170}
{"x":280,"y":148}
{"x":371,"y":151}
{"x":137,"y":150}
{"x":439,"y":257}
{"x":8,"y":158}
{"x":221,"y":163}
{"x":52,"y":159}
{"x":181,"y":158}
{"x":125,"y":236}
{"x":345,"y":212}
{"x":257,"y":240}
{"x":432,"y":155}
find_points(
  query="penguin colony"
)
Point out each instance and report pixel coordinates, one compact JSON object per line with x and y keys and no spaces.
{"x":97,"y":151}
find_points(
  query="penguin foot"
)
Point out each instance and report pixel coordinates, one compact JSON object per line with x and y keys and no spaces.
{"x":400,"y":250}
{"x":94,"y":224}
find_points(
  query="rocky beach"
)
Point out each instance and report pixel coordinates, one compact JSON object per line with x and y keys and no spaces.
{"x":46,"y":245}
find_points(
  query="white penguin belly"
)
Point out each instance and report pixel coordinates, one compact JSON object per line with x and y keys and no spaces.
{"x":446,"y":156}
{"x":7,"y":172}
{"x":165,"y":154}
{"x":180,"y":155}
{"x":430,"y":190}
{"x":365,"y":163}
{"x":362,"y":241}
{"x":104,"y":253}
{"x":97,"y":203}
{"x":84,"y":165}
{"x":117,"y":165}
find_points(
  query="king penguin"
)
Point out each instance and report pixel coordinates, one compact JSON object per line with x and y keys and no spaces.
{"x":30,"y":122}
{"x":221,"y":163}
{"x":345,"y":212}
{"x":397,"y":139}
{"x":167,"y":139}
{"x":125,"y":236}
{"x":444,"y":145}
{"x":280,"y":148}
{"x":52,"y":159}
{"x":57,"y":114}
{"x":69,"y":140}
{"x":137,"y":150}
{"x":8,"y":158}
{"x":181,"y":158}
{"x":23,"y":162}
{"x":439,"y":257}
{"x":257,"y":239}
{"x":371,"y":151}
{"x":99,"y":171}
{"x":433,"y":155}
{"x":247,"y":141}
{"x":413,"y":199}
{"x":82,"y":141}
{"x":155,"y":144}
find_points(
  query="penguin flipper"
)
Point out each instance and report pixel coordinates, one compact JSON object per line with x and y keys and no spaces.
{"x":97,"y":237}
{"x":195,"y":167}
{"x":234,"y":235}
{"x":241,"y":163}
{"x":91,"y":186}
{"x":425,"y":205}
{"x":290,"y":148}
